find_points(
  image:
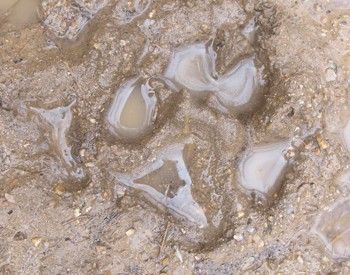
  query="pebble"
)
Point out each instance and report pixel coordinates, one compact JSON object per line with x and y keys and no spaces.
{"x":238,"y":237}
{"x":322,"y":142}
{"x":10,"y":198}
{"x":165,"y":261}
{"x":251,"y":230}
{"x":240,"y":214}
{"x":36,"y":241}
{"x":89,"y":164}
{"x":130,"y":232}
{"x":325,"y":259}
{"x":178,"y":254}
{"x":151,"y":14}
{"x":77,"y":212}
{"x":97,"y":46}
{"x":120,"y":191}
{"x":300,"y":260}
{"x":123,"y":42}
{"x":331,"y":75}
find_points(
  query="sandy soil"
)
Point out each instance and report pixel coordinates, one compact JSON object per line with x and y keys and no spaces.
{"x":80,"y":52}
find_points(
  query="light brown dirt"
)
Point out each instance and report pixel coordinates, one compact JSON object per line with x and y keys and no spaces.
{"x":84,"y":50}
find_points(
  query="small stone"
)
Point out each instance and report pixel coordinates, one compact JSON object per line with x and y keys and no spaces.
{"x":238,"y":237}
{"x":120,"y":191}
{"x":178,"y":254}
{"x":89,"y":164}
{"x":77,"y":212}
{"x":251,"y":230}
{"x":97,"y":46}
{"x":240,"y":214}
{"x":205,"y":28}
{"x":322,"y":142}
{"x":331,"y":75}
{"x":165,"y":261}
{"x":325,"y":259}
{"x":10,"y":198}
{"x":130,"y":232}
{"x":36,"y":241}
{"x":300,"y":260}
{"x":92,"y":120}
{"x":151,"y":14}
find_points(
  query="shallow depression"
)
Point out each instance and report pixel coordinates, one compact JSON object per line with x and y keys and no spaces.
{"x":333,"y":226}
{"x":192,"y":67}
{"x":239,"y":90}
{"x":180,"y":202}
{"x":59,"y":121}
{"x":133,"y":110}
{"x":262,"y":168}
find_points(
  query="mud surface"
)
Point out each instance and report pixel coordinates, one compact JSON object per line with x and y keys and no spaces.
{"x":174,"y":137}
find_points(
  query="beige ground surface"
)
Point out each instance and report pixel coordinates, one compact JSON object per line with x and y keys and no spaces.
{"x":57,"y":52}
